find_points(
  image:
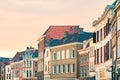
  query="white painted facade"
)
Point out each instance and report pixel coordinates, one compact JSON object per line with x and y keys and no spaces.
{"x":29,"y":65}
{"x":102,"y":65}
{"x":47,"y":63}
{"x":26,"y":68}
{"x":8,"y":72}
{"x":91,"y":59}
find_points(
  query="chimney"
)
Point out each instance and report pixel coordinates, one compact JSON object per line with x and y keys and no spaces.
{"x":80,"y":30}
{"x":27,"y":48}
{"x":31,"y":47}
{"x":66,"y":34}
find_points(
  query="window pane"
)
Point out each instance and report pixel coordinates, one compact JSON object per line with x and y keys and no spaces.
{"x":72,"y":53}
{"x":67,"y":54}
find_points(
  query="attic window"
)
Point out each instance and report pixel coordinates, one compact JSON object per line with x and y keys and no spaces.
{"x":75,"y":28}
{"x":64,"y":39}
{"x":71,"y":29}
{"x":72,"y":38}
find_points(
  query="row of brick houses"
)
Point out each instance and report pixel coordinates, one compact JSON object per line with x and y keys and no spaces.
{"x":66,"y":52}
{"x":23,"y":66}
{"x":98,"y":57}
{"x":58,"y":56}
{"x":53,"y":32}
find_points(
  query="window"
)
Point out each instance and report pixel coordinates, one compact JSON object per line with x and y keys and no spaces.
{"x":35,"y":74}
{"x":72,"y":53}
{"x":67,"y":68}
{"x":45,"y":67}
{"x":72,"y":38}
{"x":30,"y":63}
{"x":9,"y":76}
{"x":27,"y":63}
{"x":75,"y":28}
{"x":95,"y":60}
{"x":24,"y":64}
{"x":81,"y":72}
{"x":71,"y":29}
{"x":30,"y":73}
{"x":27,"y":73}
{"x":101,"y":34}
{"x":114,"y":29}
{"x":101,"y":54}
{"x":118,"y":23}
{"x":58,"y":68}
{"x":67,"y":53}
{"x":106,"y":52}
{"x":48,"y":66}
{"x":97,"y":36}
{"x":35,"y":64}
{"x":97,"y":56}
{"x":63,"y":54}
{"x":114,"y":52}
{"x":94,"y":37}
{"x":58,"y":55}
{"x":54,"y":56}
{"x":54,"y":69}
{"x":72,"y":68}
{"x":62,"y":68}
{"x":8,"y":69}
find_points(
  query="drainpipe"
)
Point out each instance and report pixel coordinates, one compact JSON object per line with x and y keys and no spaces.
{"x":115,"y":77}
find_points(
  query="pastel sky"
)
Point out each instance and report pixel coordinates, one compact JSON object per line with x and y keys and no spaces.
{"x":23,"y":21}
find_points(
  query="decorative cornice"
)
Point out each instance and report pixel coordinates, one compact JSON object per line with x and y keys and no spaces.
{"x":107,"y":9}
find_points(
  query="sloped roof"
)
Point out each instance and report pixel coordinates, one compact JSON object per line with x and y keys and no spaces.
{"x":16,"y":56}
{"x":62,"y":26}
{"x":71,"y":38}
{"x":4,"y":60}
{"x":59,"y":31}
{"x":114,"y":3}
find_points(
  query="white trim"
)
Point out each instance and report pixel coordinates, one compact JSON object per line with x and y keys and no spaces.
{"x":66,"y":45}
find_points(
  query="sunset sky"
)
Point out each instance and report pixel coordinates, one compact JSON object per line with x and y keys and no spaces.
{"x":22,"y":22}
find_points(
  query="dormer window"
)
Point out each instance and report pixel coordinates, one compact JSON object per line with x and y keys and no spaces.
{"x":71,"y":28}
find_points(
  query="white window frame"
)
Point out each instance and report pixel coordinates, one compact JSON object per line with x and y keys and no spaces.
{"x":54,"y":56}
{"x":63,"y":54}
{"x":58,"y":55}
{"x":72,"y":54}
{"x":53,"y":69}
{"x":67,"y":54}
{"x":62,"y":67}
{"x":71,"y":68}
